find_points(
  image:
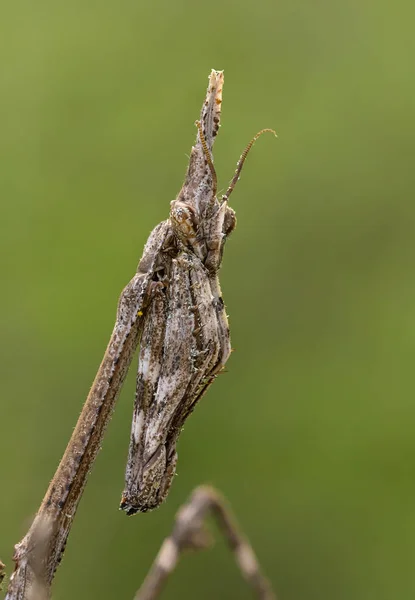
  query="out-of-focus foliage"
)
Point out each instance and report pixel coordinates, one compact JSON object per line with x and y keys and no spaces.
{"x":310,"y":434}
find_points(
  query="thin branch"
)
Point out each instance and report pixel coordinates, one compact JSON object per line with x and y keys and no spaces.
{"x":189,"y":533}
{"x":39,"y":553}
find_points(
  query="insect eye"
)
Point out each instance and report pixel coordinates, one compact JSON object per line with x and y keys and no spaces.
{"x":183,"y":219}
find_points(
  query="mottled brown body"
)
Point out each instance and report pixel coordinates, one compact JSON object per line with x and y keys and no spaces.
{"x":185,"y":341}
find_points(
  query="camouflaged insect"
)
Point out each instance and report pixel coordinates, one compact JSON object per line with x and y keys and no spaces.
{"x":185,"y":340}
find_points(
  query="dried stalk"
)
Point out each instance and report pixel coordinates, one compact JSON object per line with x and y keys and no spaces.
{"x":39,"y":553}
{"x":189,"y":533}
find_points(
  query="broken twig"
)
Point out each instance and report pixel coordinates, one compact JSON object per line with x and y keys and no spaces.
{"x":189,"y":533}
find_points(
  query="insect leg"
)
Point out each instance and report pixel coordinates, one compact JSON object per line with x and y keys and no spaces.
{"x":149,"y":367}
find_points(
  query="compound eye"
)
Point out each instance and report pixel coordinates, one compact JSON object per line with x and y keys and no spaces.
{"x":183,"y":219}
{"x":229,"y":222}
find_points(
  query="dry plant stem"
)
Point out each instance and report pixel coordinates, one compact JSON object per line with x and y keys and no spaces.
{"x":189,"y":533}
{"x":38,"y":554}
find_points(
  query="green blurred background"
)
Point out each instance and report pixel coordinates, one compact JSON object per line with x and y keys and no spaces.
{"x":311,"y":433}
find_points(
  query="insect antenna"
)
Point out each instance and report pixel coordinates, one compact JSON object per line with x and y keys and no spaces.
{"x":208,"y":157}
{"x":241,"y":161}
